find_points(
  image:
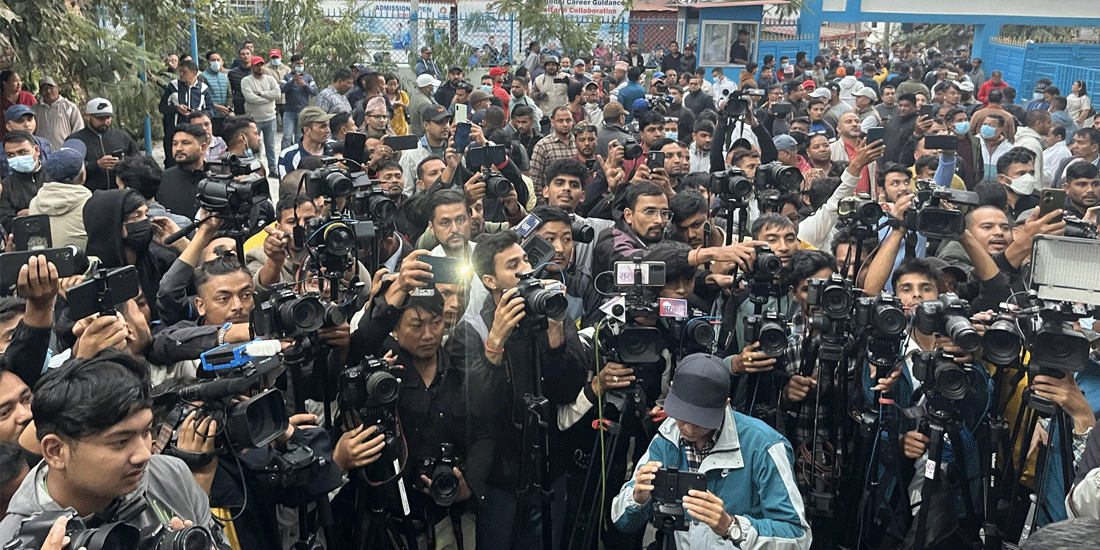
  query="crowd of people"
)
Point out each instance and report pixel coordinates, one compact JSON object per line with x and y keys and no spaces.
{"x":504,"y":407}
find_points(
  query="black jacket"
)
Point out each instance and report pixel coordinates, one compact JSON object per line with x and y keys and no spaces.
{"x":100,"y":145}
{"x":698,"y":102}
{"x":498,"y":390}
{"x":178,"y":191}
{"x":236,"y":74}
{"x":19,"y":189}
{"x":897,"y":132}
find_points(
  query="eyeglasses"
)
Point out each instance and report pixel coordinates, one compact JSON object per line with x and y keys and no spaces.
{"x":651,"y":213}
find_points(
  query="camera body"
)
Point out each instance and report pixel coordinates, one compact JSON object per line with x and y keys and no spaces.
{"x":766,"y":265}
{"x":832,"y":295}
{"x":884,"y":313}
{"x":445,"y":486}
{"x":582,"y":232}
{"x":287,"y":315}
{"x":948,"y":315}
{"x":731,"y":184}
{"x":232,"y":187}
{"x":372,"y":204}
{"x":736,"y":102}
{"x":368,"y":397}
{"x":540,"y":302}
{"x":925,"y":216}
{"x":939,"y":371}
{"x":632,"y":150}
{"x":1076,"y":227}
{"x":694,"y":334}
{"x":298,"y":466}
{"x":859,"y":211}
{"x":771,"y":330}
{"x":329,"y":181}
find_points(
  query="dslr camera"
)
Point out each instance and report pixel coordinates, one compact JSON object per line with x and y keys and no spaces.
{"x":439,"y":469}
{"x":938,"y":371}
{"x":632,"y":150}
{"x":738,"y":102}
{"x":948,"y":315}
{"x":287,"y":315}
{"x":885,"y":322}
{"x":368,"y":397}
{"x":540,"y":302}
{"x":859,"y":211}
{"x":771,"y":330}
{"x":926,"y":216}
{"x":731,"y":184}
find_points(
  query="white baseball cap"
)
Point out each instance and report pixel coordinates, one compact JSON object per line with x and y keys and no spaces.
{"x":426,"y":80}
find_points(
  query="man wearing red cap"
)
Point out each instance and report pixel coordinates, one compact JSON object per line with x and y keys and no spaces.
{"x":276,"y":68}
{"x":498,"y":85}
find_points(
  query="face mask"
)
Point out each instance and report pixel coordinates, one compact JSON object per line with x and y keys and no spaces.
{"x":138,"y":234}
{"x":215,"y":66}
{"x":785,"y":64}
{"x":962,"y":127}
{"x":671,"y":135}
{"x":276,"y":62}
{"x":299,"y":68}
{"x":1024,"y":185}
{"x":1036,"y":96}
{"x":988,"y":131}
{"x":23,"y":164}
{"x":487,"y":89}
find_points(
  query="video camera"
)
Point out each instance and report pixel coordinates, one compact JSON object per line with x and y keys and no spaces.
{"x":289,"y":315}
{"x":659,"y":102}
{"x":445,"y":486}
{"x":240,"y":369}
{"x":927,"y":217}
{"x":231,"y":188}
{"x":1081,"y":229}
{"x":626,"y":341}
{"x":737,"y":102}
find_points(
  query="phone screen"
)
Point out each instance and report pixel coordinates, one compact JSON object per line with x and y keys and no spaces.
{"x":462,"y":136}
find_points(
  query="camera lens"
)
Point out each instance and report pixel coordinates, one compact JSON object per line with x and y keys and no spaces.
{"x":381,"y":386}
{"x":768,"y":263}
{"x":548,"y":303}
{"x":114,"y":536}
{"x":836,"y":301}
{"x":701,"y":332}
{"x":890,"y":320}
{"x":498,"y":187}
{"x":189,"y":538}
{"x":951,"y":381}
{"x":382,"y":208}
{"x":959,"y":329}
{"x":339,"y":239}
{"x":1001,"y":343}
{"x":773,"y":339}
{"x":304,"y":313}
{"x":338,"y":184}
{"x":445,"y":486}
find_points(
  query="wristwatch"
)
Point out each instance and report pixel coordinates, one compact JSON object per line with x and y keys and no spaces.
{"x":734,"y":533}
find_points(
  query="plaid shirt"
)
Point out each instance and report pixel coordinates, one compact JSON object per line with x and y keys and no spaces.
{"x":695,"y":457}
{"x":547,"y":150}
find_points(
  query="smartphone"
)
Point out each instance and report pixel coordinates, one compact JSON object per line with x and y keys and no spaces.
{"x":401,"y":143}
{"x":672,"y":485}
{"x":590,"y":165}
{"x":119,"y":153}
{"x":652,"y":273}
{"x":355,"y":149}
{"x":1051,"y":200}
{"x":103,"y":292}
{"x":943,"y":142}
{"x":926,"y":111}
{"x":65,"y":259}
{"x":32,"y":232}
{"x":475,"y":157}
{"x":447,"y":271}
{"x":462,"y":113}
{"x":655,"y":159}
{"x":875,"y":134}
{"x":462,"y":136}
{"x":782,"y":109}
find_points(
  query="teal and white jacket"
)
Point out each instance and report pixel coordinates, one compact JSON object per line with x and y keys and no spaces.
{"x":749,"y":469}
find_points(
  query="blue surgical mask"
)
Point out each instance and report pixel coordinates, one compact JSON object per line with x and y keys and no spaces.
{"x":671,"y":135}
{"x":275,"y":61}
{"x":988,"y":131}
{"x":24,"y":164}
{"x":215,"y":66}
{"x":962,"y":127}
{"x":1037,"y":95}
{"x":299,"y":68}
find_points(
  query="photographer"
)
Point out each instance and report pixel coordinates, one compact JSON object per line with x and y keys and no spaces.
{"x":94,"y":423}
{"x":496,"y":353}
{"x":434,"y":403}
{"x":750,"y":502}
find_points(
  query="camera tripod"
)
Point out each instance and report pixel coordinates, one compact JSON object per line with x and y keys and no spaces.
{"x":601,"y":464}
{"x":667,"y":525}
{"x":941,"y":424}
{"x":535,"y":475}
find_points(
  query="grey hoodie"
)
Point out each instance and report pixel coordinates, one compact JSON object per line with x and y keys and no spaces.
{"x":167,"y":480}
{"x":64,"y":203}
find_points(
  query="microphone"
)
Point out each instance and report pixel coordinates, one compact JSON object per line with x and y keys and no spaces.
{"x":187,"y":228}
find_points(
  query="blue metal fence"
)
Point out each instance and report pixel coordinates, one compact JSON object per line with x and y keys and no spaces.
{"x":789,"y":48}
{"x":1022,"y":64}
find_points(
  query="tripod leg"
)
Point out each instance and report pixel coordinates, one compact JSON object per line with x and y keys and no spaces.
{"x":931,"y":478}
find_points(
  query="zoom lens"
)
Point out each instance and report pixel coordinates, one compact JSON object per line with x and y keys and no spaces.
{"x":382,"y":386}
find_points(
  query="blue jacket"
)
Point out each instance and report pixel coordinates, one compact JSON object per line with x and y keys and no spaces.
{"x":297,"y":97}
{"x":627,"y":96}
{"x":750,"y":469}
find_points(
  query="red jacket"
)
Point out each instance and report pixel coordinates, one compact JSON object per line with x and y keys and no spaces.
{"x":503,"y":94}
{"x":983,"y":92}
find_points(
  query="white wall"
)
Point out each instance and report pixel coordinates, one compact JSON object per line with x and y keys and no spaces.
{"x":1052,"y":8}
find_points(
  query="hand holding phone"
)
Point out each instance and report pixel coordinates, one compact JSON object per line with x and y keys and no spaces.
{"x":462,"y":136}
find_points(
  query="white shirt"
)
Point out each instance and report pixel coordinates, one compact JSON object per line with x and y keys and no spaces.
{"x":716,"y":90}
{"x":1052,"y":159}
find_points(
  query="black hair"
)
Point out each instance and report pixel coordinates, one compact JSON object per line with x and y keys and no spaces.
{"x":1015,"y":155}
{"x":235,"y":125}
{"x":568,"y":167}
{"x":695,"y":180}
{"x":634,"y":73}
{"x":296,"y":57}
{"x":771,"y":220}
{"x":1058,"y":103}
{"x":908,"y":96}
{"x":1000,"y":119}
{"x":290,"y":202}
{"x":661,"y":143}
{"x":194,"y":130}
{"x":931,"y":162}
{"x":87,"y":396}
{"x":443,"y":197}
{"x":996,"y":95}
{"x":20,"y":136}
{"x":140,"y":172}
{"x":1092,"y":134}
{"x":209,"y":53}
{"x":337,"y":120}
{"x":10,"y":308}
{"x":195,"y":115}
{"x":891,"y":167}
{"x":649,"y":118}
{"x":523,"y":110}
{"x":222,"y":265}
{"x":187,"y":64}
{"x":992,"y":193}
{"x":804,"y":263}
{"x":633,"y":192}
{"x":548,"y":214}
{"x":484,"y":256}
{"x":1059,"y":131}
{"x":844,"y":236}
{"x":574,"y":90}
{"x":432,"y":302}
{"x":919,"y":266}
{"x":389,"y":165}
{"x":687,"y":203}
{"x":1081,"y":170}
{"x":341,"y":74}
